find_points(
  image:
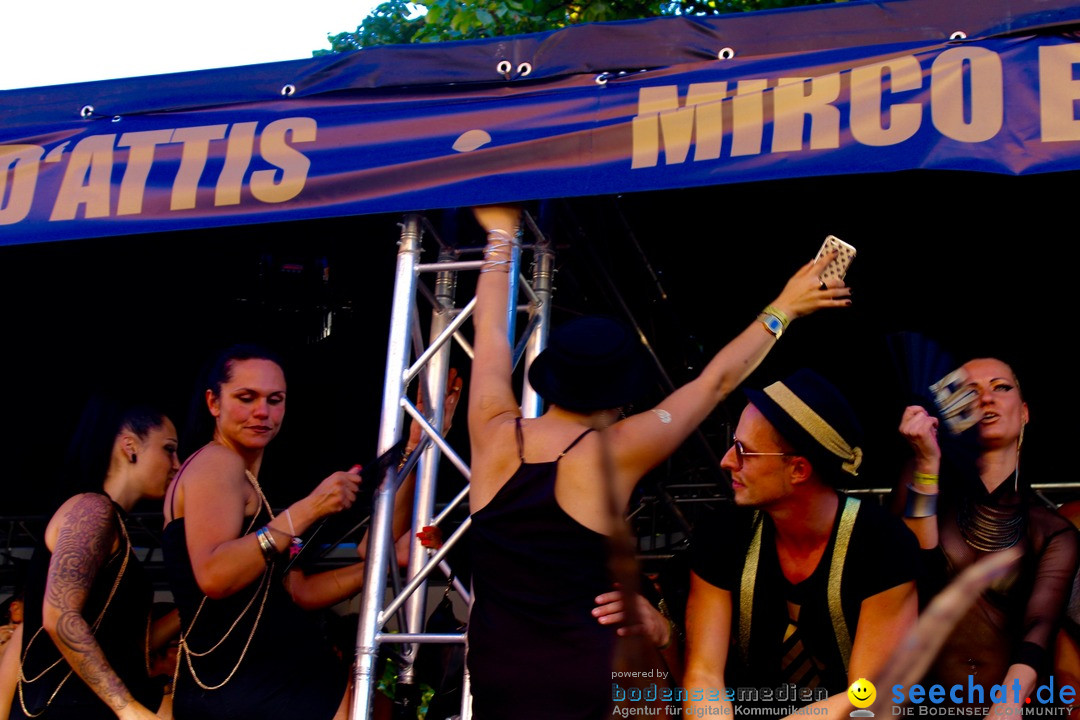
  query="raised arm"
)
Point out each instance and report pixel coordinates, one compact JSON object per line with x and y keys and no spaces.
{"x":918,"y":487}
{"x":643,"y":440}
{"x":491,"y":394}
{"x":84,"y":539}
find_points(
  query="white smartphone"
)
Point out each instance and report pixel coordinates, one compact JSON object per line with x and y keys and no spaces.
{"x":845,"y":253}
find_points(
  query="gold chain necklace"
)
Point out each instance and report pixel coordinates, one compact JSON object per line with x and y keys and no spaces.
{"x":23,"y":680}
{"x":264,"y":586}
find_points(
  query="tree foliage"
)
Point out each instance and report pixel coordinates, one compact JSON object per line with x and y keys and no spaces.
{"x":398,"y":21}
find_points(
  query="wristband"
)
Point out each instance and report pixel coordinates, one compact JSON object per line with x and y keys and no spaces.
{"x":920,"y":504}
{"x":922,"y":478}
{"x":775,"y":320}
{"x":295,"y":546}
{"x":780,"y":314}
{"x":772,"y":323}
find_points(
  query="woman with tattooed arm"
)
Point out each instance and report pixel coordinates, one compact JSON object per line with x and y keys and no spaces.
{"x":87,"y":634}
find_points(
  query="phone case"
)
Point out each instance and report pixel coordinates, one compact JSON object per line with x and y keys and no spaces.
{"x":839,"y":266}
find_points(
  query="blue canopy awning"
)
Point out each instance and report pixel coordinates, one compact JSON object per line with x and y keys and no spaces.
{"x":593,"y":109}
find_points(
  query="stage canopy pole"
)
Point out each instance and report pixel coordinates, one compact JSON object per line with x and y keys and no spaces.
{"x":432,"y":365}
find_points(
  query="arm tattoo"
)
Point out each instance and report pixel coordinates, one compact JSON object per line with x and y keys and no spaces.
{"x":83,"y":545}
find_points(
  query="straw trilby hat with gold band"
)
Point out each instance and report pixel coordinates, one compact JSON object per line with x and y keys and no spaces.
{"x":817,"y":421}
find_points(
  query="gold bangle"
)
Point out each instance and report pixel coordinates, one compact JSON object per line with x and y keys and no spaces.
{"x":780,"y":315}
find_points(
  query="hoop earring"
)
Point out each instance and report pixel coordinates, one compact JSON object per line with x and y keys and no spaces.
{"x":1016,"y":474}
{"x":132,"y":458}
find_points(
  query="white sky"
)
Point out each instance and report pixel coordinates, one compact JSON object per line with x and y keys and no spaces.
{"x":53,"y":42}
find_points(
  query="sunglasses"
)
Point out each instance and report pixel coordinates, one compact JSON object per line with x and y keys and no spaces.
{"x":741,"y":452}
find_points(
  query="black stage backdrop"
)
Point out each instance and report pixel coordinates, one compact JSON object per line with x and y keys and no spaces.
{"x":983,"y":263}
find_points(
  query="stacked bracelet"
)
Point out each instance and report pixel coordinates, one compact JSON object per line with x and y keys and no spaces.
{"x":498,"y":251}
{"x":773,"y":310}
{"x":922,"y":478}
{"x":266,"y":542}
{"x":920,"y":504}
{"x":775,"y":320}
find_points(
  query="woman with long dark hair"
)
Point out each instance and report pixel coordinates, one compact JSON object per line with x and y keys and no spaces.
{"x":88,"y":629}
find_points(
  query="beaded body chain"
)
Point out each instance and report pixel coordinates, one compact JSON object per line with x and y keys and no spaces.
{"x":23,"y":680}
{"x":263,"y":588}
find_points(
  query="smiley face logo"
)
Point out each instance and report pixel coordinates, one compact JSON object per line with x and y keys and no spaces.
{"x":862,"y":693}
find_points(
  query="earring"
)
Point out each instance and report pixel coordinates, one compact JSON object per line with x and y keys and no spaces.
{"x":1019,"y":443}
{"x":133,"y":458}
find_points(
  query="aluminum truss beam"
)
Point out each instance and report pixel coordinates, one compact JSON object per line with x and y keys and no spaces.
{"x":406,"y":602}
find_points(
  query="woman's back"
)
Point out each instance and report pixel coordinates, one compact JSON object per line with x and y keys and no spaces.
{"x":535,"y":651}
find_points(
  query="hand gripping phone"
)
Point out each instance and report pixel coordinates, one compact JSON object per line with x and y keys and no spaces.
{"x":844,"y":255}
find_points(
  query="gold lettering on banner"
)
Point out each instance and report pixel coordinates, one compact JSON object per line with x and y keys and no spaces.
{"x":748,"y":117}
{"x":797,"y":99}
{"x":276,"y":150}
{"x":237,"y":159}
{"x":660,"y":117}
{"x":1059,"y":92}
{"x":973,"y":116}
{"x":193,"y":158}
{"x":87,"y":179}
{"x":869,"y":110}
{"x":140,"y":160}
{"x":18,"y":178}
{"x":966,"y":99}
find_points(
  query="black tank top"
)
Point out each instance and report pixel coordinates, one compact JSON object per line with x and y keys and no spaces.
{"x":535,"y":650}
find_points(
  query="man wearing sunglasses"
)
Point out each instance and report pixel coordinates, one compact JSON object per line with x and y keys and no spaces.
{"x":797,"y":590}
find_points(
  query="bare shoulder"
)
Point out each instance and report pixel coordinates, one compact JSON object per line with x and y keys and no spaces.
{"x":214,"y":464}
{"x":80,"y":514}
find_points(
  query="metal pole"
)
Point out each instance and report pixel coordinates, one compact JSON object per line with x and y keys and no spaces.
{"x":512,"y":291}
{"x":424,"y":498}
{"x":532,"y":405}
{"x":380,"y":540}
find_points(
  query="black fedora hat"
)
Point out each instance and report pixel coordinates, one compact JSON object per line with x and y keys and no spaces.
{"x":591,"y":363}
{"x":816,"y":419}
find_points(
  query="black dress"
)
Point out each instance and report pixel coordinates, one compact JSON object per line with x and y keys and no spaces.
{"x":272,"y":665}
{"x":121,"y":636}
{"x":535,"y":650}
{"x":1016,"y":619}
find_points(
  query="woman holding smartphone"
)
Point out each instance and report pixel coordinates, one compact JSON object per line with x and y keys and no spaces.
{"x":546,"y":494}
